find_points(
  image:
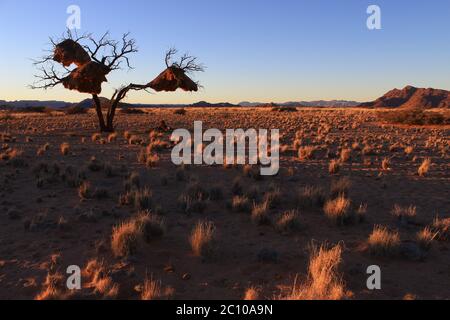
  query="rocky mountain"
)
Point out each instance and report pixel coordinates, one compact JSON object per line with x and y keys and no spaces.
{"x":213,"y":105}
{"x":412,"y":98}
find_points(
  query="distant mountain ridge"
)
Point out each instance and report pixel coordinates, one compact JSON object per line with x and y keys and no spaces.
{"x":318,"y":103}
{"x":412,"y":98}
{"x":87,"y":103}
{"x":406,"y":98}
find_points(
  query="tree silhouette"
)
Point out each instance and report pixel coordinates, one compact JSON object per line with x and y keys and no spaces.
{"x":93,"y":60}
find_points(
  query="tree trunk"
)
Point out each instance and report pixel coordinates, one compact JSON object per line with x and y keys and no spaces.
{"x":111,"y":114}
{"x":98,"y":109}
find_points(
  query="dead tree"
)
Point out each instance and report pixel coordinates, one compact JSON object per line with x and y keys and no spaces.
{"x":93,"y":60}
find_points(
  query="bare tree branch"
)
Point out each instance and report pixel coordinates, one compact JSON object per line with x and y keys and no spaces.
{"x":187,"y":63}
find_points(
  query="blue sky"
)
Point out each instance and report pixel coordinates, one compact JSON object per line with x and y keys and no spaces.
{"x":257,"y":50}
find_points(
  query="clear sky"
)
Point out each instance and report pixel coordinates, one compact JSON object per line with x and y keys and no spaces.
{"x":257,"y":50}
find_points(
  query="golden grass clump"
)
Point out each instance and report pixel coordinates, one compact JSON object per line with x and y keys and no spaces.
{"x":425,"y":238}
{"x":153,"y":290}
{"x":334,"y":166}
{"x":112,"y":137}
{"x":383,"y":242}
{"x":289,"y":221}
{"x":442,"y":228}
{"x":386,"y":164}
{"x":339,"y":210}
{"x":260,"y":213}
{"x":346,"y":154}
{"x":202,"y":239}
{"x":252,"y":293}
{"x":151,"y":225}
{"x":98,"y":279}
{"x":340,"y":186}
{"x":53,"y":288}
{"x":404,"y":214}
{"x":324,"y":281}
{"x":240,"y":204}
{"x":306,"y":152}
{"x":424,"y":167}
{"x":311,"y":196}
{"x":125,"y":239}
{"x":65,"y":148}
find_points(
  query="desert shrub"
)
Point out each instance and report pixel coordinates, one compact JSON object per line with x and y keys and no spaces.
{"x":324,"y":281}
{"x":95,"y":165}
{"x":289,"y":221}
{"x":98,"y":278}
{"x":383,"y":242}
{"x":125,"y":239}
{"x":273,"y":198}
{"x":413,"y":117}
{"x":424,"y":167}
{"x":340,"y":186}
{"x":260,"y":214}
{"x":306,"y":152}
{"x":385,"y":164}
{"x":404,"y":214}
{"x":143,"y":199}
{"x":240,"y":204}
{"x":284,"y":109}
{"x":54,"y":288}
{"x":85,"y":191}
{"x":339,"y":210}
{"x":131,"y":111}
{"x":334,"y":166}
{"x":425,"y":238}
{"x":202,"y":239}
{"x":133,"y":181}
{"x":151,"y":290}
{"x":191,"y":204}
{"x":441,"y":227}
{"x":346,"y":154}
{"x":151,"y":225}
{"x":157,"y":145}
{"x":252,"y":293}
{"x":64,"y":148}
{"x":311,"y":196}
{"x":180,"y":111}
{"x":76,"y":110}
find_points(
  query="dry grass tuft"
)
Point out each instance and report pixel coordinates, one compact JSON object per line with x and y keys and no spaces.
{"x":324,"y":281}
{"x":240,"y":204}
{"x":289,"y":221}
{"x":306,"y":153}
{"x":383,"y":242}
{"x":260,"y":213}
{"x":334,"y":166}
{"x":311,"y":196}
{"x":404,"y":214}
{"x":65,"y":148}
{"x":340,"y":187}
{"x":125,"y":239}
{"x":252,"y":293}
{"x":339,"y":210}
{"x":153,"y":290}
{"x":425,"y":238}
{"x":202,"y":239}
{"x":424,"y":167}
